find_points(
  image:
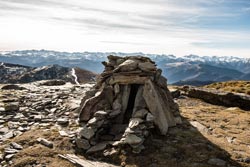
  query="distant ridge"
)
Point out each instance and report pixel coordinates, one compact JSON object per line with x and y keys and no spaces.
{"x":185,"y":69}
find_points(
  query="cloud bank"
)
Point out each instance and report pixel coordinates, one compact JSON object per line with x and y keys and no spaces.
{"x":215,"y":27}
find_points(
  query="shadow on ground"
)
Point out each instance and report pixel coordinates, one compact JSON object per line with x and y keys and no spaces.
{"x":184,"y":146}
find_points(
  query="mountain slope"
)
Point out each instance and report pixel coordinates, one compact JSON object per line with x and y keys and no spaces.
{"x":186,"y":71}
{"x":12,"y":73}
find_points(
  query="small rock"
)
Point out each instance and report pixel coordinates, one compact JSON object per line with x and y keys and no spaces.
{"x":2,"y":109}
{"x":12,"y":86}
{"x":82,"y":143}
{"x":63,"y":121}
{"x":216,"y":161}
{"x":63,"y":133}
{"x":8,"y":135}
{"x":150,"y":117}
{"x":9,"y":157}
{"x":38,"y":117}
{"x":110,"y":152}
{"x":247,"y":160}
{"x":200,"y":127}
{"x":87,"y":132}
{"x":230,"y":139}
{"x":98,"y":147}
{"x":175,"y":93}
{"x":45,"y":142}
{"x":13,"y":125}
{"x":16,"y":146}
{"x":4,"y":130}
{"x":10,"y":151}
{"x":53,"y":110}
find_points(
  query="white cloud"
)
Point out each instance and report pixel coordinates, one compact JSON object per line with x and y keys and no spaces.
{"x":165,"y":26}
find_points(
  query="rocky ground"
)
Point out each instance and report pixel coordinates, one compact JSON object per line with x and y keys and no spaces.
{"x":39,"y":122}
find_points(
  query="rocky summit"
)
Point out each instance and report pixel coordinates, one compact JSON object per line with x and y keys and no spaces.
{"x":50,"y":123}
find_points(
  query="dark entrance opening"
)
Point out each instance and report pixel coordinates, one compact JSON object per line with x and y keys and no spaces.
{"x":131,"y":103}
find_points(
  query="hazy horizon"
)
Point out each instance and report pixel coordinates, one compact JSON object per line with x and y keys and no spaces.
{"x":178,"y":27}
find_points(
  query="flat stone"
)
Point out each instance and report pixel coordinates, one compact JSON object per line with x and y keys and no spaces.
{"x":1,"y":157}
{"x":158,"y":102}
{"x":45,"y":142}
{"x":128,"y":65}
{"x":8,"y":135}
{"x":114,"y":113}
{"x":13,"y":125}
{"x":230,"y":139}
{"x":63,"y":133}
{"x":147,"y":66}
{"x":4,"y":130}
{"x":9,"y":157}
{"x":121,"y":79}
{"x":16,"y":146}
{"x":133,"y":139}
{"x":63,"y":121}
{"x":53,"y":110}
{"x":140,"y":113}
{"x":199,"y":126}
{"x":98,"y":147}
{"x":110,"y":152}
{"x":134,"y":122}
{"x":18,"y":116}
{"x":10,"y":151}
{"x":100,"y":114}
{"x":12,"y":87}
{"x":13,"y":106}
{"x":87,"y":132}
{"x":94,"y":122}
{"x":217,"y":162}
{"x":82,"y":143}
{"x":38,"y":117}
{"x":2,"y":109}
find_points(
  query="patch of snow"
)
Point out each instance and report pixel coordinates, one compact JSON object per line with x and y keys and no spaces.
{"x":74,"y":75}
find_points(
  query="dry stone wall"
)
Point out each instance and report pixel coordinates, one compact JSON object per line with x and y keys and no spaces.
{"x":130,"y":98}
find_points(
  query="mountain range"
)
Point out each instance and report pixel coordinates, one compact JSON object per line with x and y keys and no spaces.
{"x":180,"y":70}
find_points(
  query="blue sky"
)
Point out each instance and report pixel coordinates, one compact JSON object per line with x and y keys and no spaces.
{"x":179,"y":27}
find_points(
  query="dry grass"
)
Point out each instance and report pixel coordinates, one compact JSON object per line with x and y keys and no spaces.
{"x":35,"y":153}
{"x":232,"y":86}
{"x":224,"y":123}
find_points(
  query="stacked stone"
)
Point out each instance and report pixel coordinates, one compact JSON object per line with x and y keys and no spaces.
{"x":129,"y":99}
